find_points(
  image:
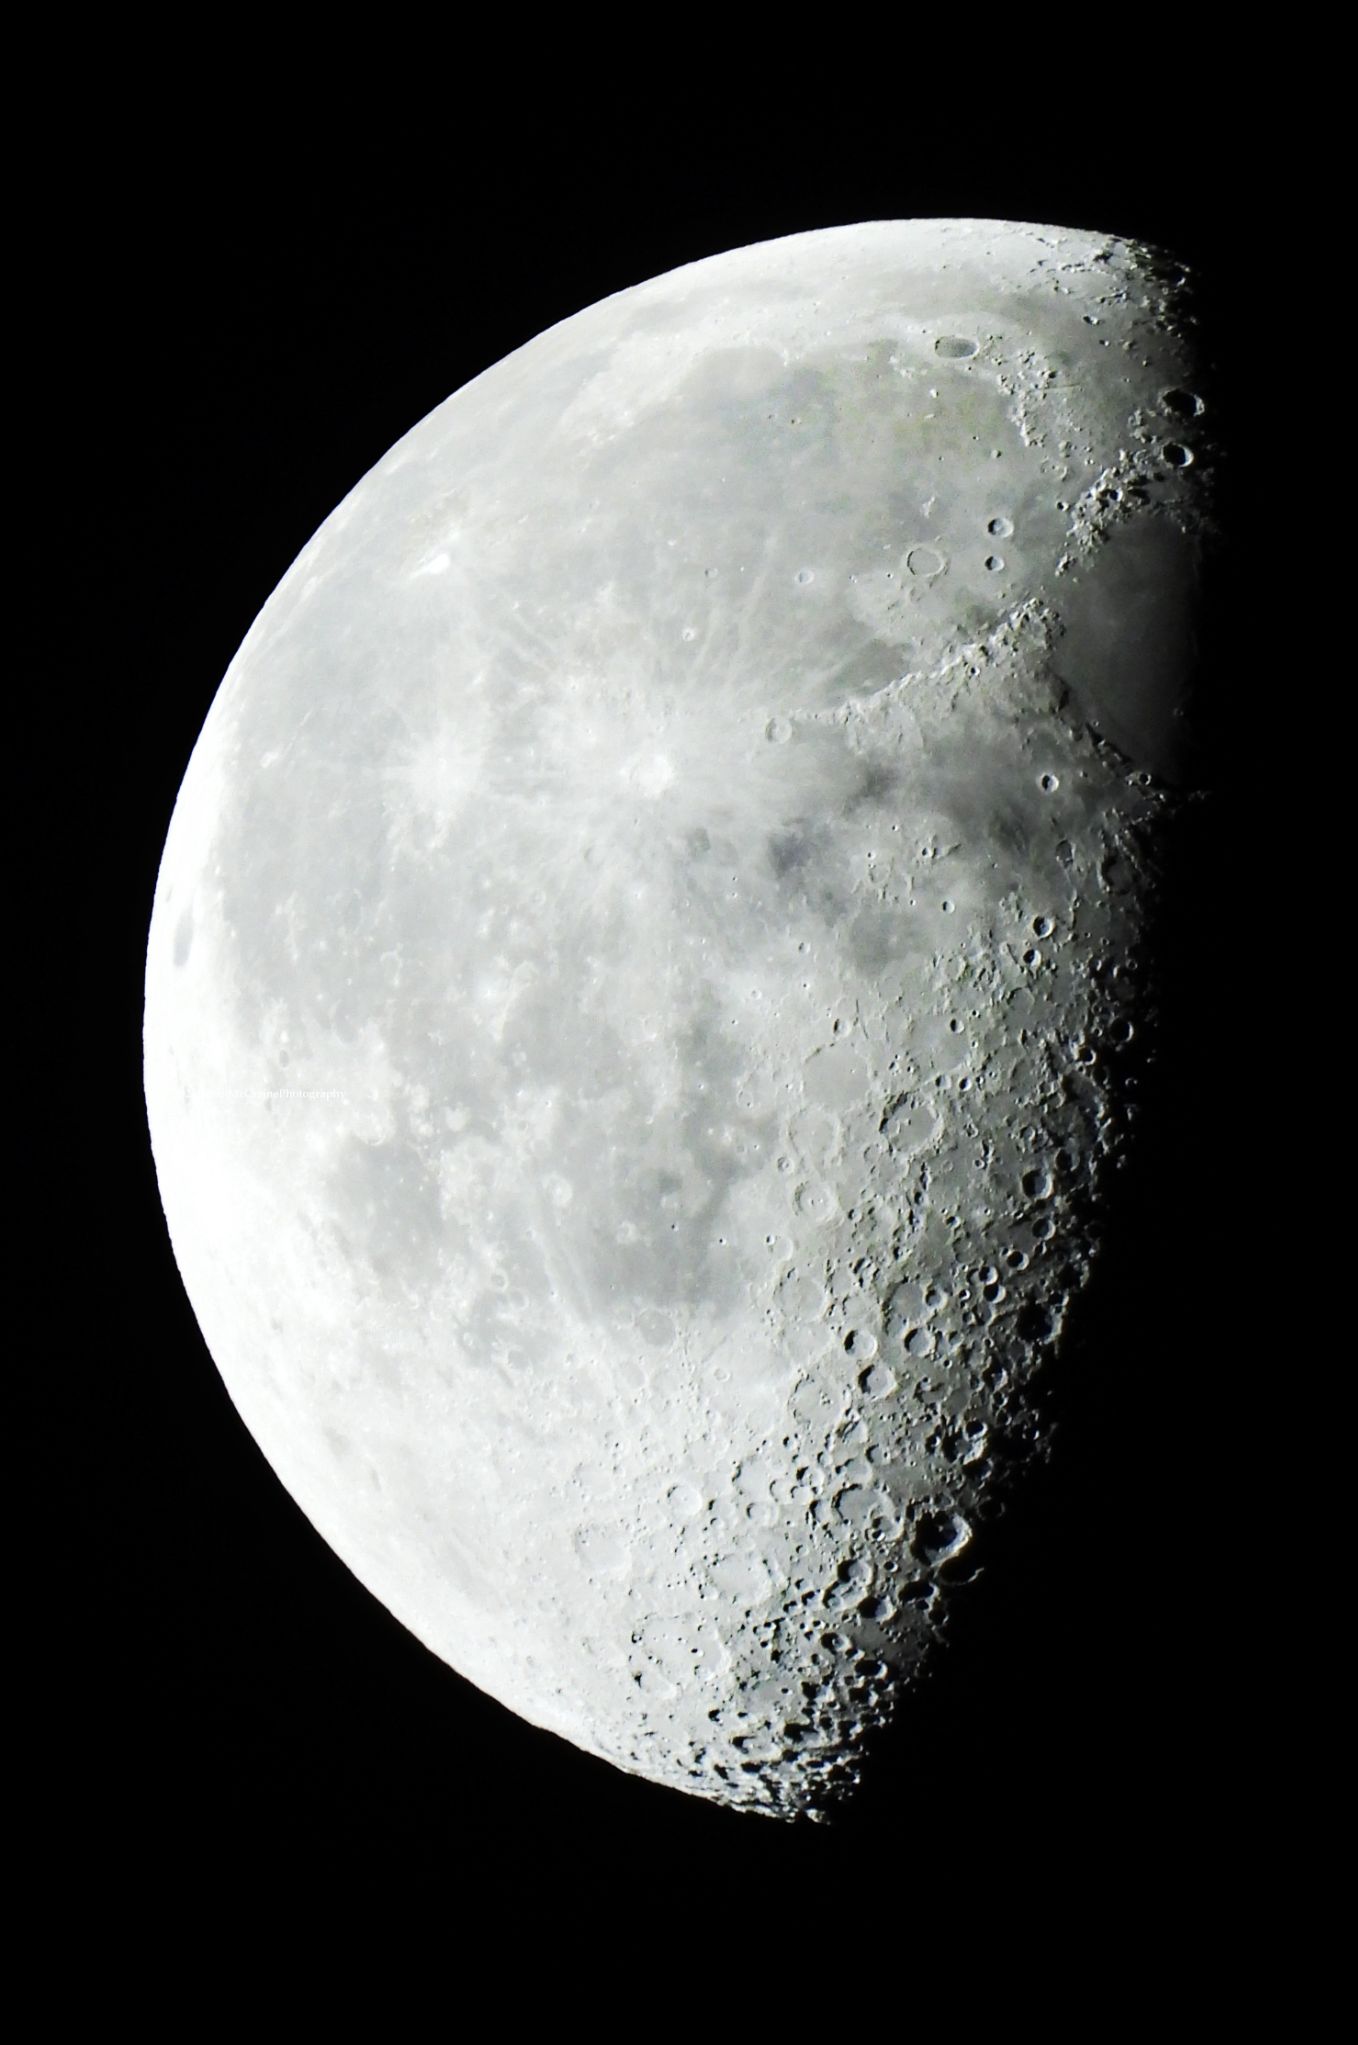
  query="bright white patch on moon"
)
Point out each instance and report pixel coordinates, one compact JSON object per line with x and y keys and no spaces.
{"x":640,"y":968}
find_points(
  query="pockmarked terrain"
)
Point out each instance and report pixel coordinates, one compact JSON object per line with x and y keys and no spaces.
{"x":644,"y":973}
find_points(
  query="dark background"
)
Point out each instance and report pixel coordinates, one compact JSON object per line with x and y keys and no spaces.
{"x":227,"y":349}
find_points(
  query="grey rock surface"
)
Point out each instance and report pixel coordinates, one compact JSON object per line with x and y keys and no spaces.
{"x":644,"y":965}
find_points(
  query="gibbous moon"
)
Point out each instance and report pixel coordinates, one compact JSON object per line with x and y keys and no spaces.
{"x":642,"y":977}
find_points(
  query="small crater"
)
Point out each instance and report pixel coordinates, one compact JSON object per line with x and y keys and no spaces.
{"x":1000,"y":528}
{"x":1034,"y":1323}
{"x":939,"y":1536}
{"x":1178,"y":456}
{"x":925,"y":562}
{"x":1183,"y":404}
{"x":954,"y":347}
{"x":814,"y":1200}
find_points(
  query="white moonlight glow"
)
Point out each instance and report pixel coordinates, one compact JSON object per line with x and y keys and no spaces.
{"x":639,"y":969}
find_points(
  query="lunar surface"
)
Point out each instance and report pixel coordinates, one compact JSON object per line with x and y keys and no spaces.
{"x":644,"y":970}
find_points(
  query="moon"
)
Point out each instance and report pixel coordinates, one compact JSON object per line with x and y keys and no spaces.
{"x":643,"y":995}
